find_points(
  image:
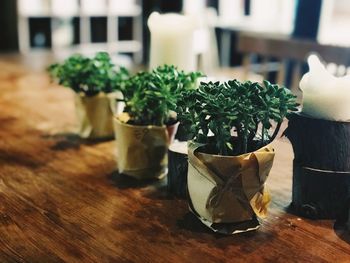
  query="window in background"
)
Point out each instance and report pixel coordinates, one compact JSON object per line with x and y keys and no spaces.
{"x":85,"y":26}
{"x":274,"y":16}
{"x":204,"y":42}
{"x":33,"y":25}
{"x":39,"y":31}
{"x":34,"y":7}
{"x":231,"y":12}
{"x":63,"y":13}
{"x":334,"y":26}
{"x":254,"y":16}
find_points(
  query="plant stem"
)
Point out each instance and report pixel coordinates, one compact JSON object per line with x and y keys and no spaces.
{"x":252,"y":134}
{"x":245,"y":142}
{"x":239,"y":137}
{"x":245,"y":136}
{"x":276,"y":131}
{"x":262,"y":135}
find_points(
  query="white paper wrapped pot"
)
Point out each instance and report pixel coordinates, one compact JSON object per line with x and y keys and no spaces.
{"x":95,"y":115}
{"x":228,"y":189}
{"x":141,"y":150}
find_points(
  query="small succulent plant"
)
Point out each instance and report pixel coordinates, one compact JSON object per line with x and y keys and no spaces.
{"x":89,"y":75}
{"x":151,"y":97}
{"x":242,"y":116}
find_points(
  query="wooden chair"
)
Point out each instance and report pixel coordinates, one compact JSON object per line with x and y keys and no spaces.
{"x":284,"y":50}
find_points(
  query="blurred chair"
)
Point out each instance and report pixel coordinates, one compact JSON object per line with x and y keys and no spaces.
{"x":284,"y":51}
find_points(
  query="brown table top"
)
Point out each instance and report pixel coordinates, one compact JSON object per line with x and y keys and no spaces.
{"x":61,"y":198}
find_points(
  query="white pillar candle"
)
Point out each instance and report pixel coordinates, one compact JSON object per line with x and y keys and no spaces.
{"x":324,"y":95}
{"x":172,"y":41}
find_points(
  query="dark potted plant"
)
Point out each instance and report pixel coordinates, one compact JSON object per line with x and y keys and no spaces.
{"x":149,"y":122}
{"x":228,"y":168}
{"x":95,"y":82}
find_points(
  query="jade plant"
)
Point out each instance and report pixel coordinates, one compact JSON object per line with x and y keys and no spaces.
{"x":151,"y":97}
{"x":242,"y":116}
{"x":89,"y":75}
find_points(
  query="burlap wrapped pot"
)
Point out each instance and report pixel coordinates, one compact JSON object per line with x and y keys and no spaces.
{"x":142,"y":150}
{"x":226,"y":191}
{"x":95,"y":115}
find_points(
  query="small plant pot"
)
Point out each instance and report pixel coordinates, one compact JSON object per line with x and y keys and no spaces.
{"x":227,"y":193}
{"x":142,"y":150}
{"x":95,"y":115}
{"x":321,"y":167}
{"x":178,"y":167}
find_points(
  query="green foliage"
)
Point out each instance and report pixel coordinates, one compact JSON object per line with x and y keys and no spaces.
{"x":248,"y":110}
{"x":150,"y":97}
{"x":89,"y":75}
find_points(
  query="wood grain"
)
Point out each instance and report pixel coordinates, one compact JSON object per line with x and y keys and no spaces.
{"x":61,"y":199}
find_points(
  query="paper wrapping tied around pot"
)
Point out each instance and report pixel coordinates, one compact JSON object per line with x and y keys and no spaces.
{"x":228,"y":192}
{"x":95,"y":115}
{"x":141,"y":150}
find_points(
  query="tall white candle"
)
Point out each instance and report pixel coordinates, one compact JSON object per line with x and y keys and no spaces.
{"x":172,"y":41}
{"x":324,"y":95}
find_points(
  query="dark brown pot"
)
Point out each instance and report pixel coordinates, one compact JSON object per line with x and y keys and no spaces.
{"x":177,"y":169}
{"x":321,"y":167}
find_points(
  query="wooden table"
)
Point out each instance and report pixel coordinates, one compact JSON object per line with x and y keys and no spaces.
{"x":61,"y":198}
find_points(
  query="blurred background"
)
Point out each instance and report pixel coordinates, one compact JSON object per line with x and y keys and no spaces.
{"x":63,"y":27}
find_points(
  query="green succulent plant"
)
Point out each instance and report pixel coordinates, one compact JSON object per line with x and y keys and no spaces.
{"x":89,"y":75}
{"x":151,"y":97}
{"x":252,"y":112}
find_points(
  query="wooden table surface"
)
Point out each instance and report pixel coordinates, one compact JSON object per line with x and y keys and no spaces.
{"x":61,"y":199}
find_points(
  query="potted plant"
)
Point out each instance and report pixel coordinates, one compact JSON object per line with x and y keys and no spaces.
{"x":95,"y":82}
{"x":230,"y":156}
{"x":149,"y":122}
